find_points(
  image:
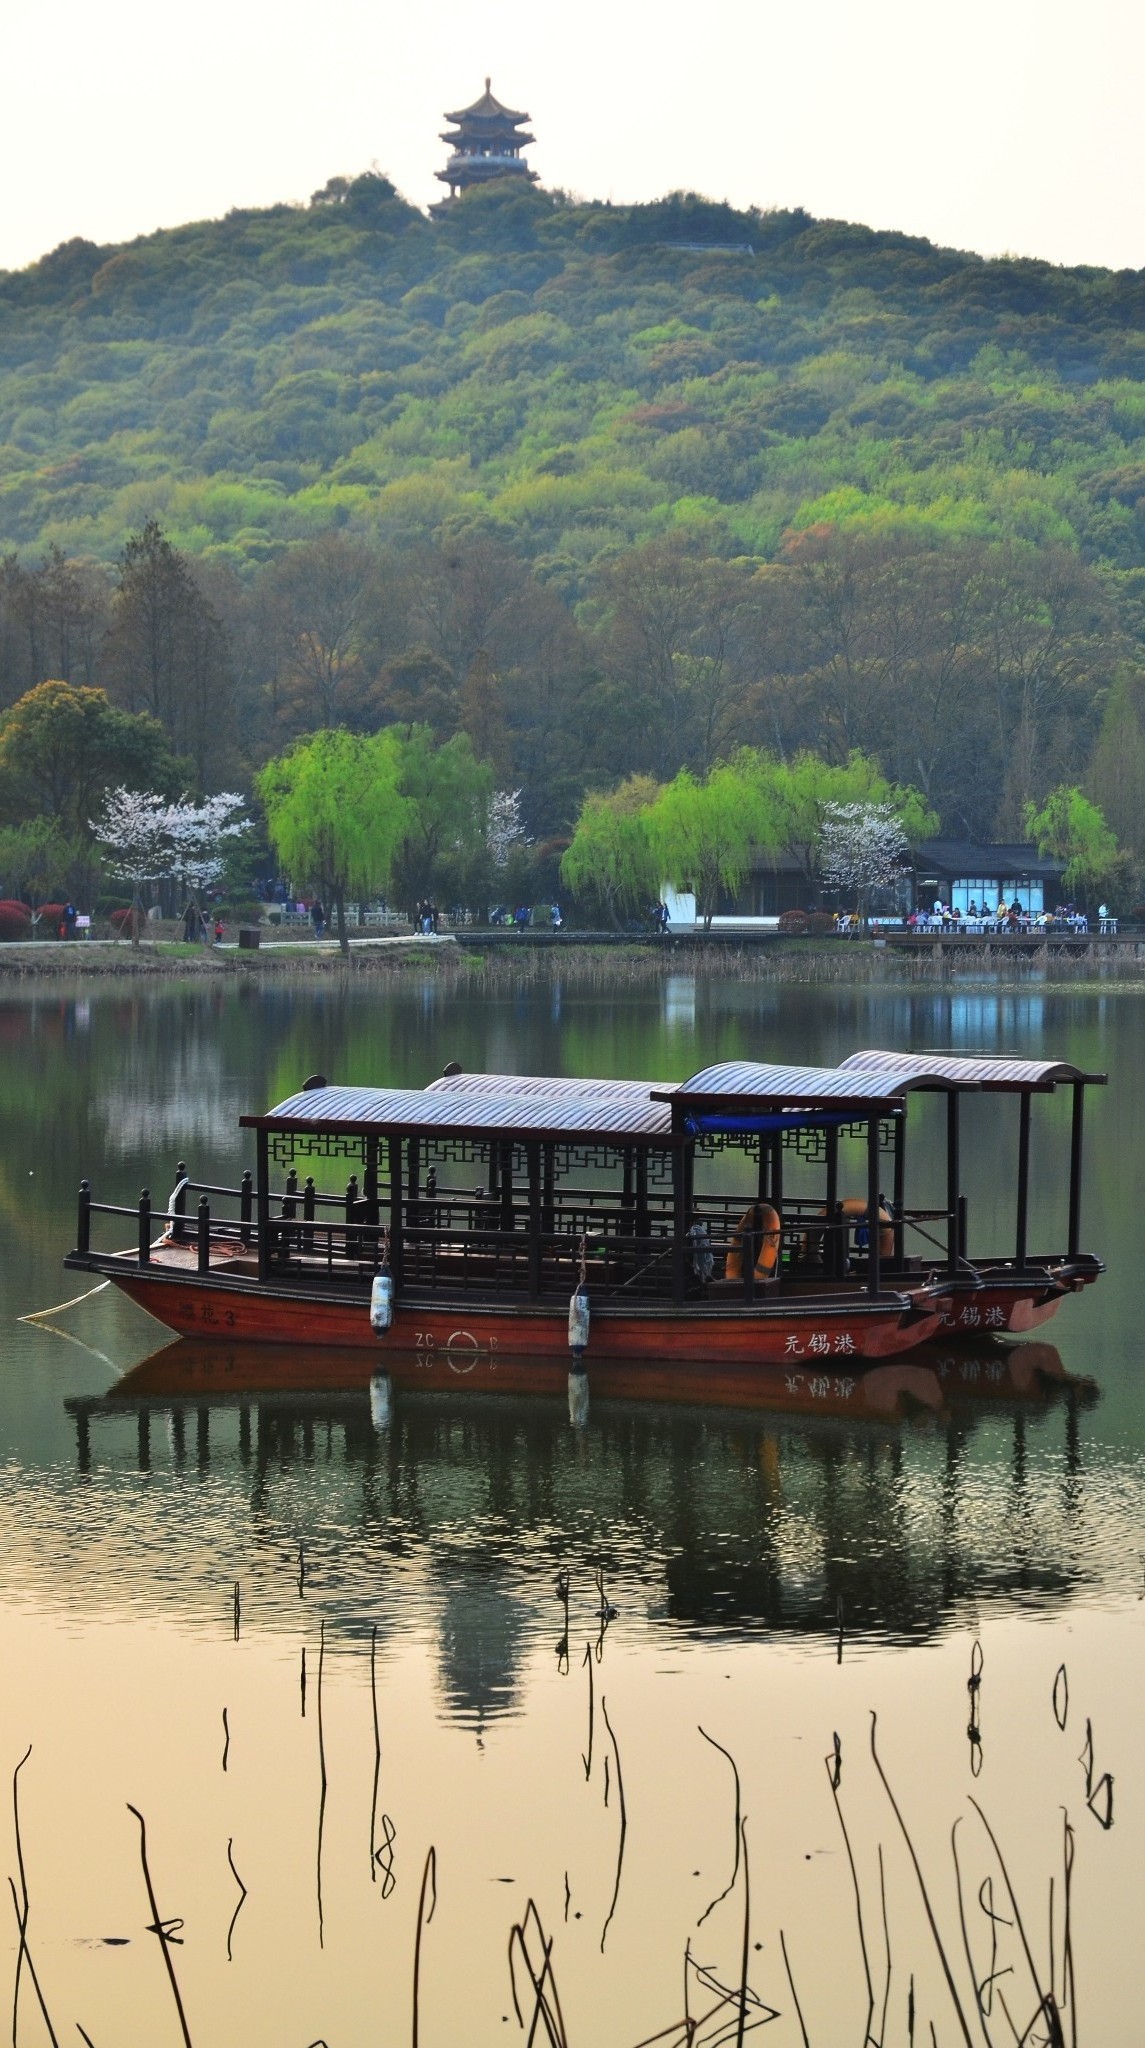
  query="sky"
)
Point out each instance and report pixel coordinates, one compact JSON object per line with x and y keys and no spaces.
{"x":996,"y":125}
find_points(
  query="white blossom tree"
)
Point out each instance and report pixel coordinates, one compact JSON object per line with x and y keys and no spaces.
{"x":200,"y":835}
{"x":133,"y":828}
{"x":147,"y":838}
{"x":505,"y":830}
{"x":862,"y":848}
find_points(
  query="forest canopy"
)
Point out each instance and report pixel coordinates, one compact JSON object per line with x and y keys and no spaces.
{"x":607,"y":491}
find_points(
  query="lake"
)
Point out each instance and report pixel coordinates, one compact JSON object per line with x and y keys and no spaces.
{"x":387,"y":1680}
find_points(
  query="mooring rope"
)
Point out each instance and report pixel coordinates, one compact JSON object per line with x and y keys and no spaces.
{"x":41,"y":1315}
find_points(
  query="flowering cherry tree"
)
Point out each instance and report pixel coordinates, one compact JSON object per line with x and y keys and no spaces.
{"x":505,"y":830}
{"x":147,"y":838}
{"x":862,"y":847}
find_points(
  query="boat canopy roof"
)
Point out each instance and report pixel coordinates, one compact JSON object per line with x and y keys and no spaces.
{"x":537,"y":1110}
{"x":940,"y":1070}
{"x":623,"y":1112}
{"x":786,"y":1089}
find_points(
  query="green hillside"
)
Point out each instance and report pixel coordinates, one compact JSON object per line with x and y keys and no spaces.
{"x":735,"y":476}
{"x":573,"y":369}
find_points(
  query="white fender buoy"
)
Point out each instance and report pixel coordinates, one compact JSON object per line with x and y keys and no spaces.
{"x":381,"y":1303}
{"x":381,"y":1401}
{"x":578,"y":1397}
{"x":578,"y":1323}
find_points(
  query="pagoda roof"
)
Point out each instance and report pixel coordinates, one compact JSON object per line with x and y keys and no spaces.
{"x":487,"y":108}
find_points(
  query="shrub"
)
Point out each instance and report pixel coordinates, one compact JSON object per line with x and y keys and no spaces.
{"x":820,"y":922}
{"x":51,"y":916}
{"x":15,"y":920}
{"x":121,"y":922}
{"x":794,"y":923}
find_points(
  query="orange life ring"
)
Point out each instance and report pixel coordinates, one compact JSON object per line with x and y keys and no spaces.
{"x":763,"y":1218}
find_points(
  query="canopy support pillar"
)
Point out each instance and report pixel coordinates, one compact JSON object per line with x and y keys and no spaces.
{"x":1075,"y":1168}
{"x":874,"y":1274}
{"x":1023,"y":1215}
{"x":262,"y":1202}
{"x":952,"y":1178}
{"x":397,"y":1243}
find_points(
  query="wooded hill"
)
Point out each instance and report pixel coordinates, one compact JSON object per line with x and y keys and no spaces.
{"x":638,"y":483}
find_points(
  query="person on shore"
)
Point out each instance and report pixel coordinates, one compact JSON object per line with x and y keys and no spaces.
{"x":68,"y":922}
{"x":521,"y":918}
{"x":218,"y":931}
{"x":557,"y":918}
{"x":318,"y":918}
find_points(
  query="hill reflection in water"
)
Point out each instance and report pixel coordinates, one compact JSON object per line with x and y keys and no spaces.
{"x":901,"y":1499}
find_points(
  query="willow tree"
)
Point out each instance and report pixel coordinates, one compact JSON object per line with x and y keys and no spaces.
{"x":704,"y":833}
{"x":610,"y":856}
{"x":1074,"y":830}
{"x":335,"y":813}
{"x":793,"y":800}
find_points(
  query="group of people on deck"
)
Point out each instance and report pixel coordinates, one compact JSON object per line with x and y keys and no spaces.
{"x":999,"y":917}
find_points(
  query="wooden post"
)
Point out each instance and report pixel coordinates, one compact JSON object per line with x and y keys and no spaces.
{"x":952,"y":1178}
{"x":899,"y":1196}
{"x":548,"y":1197}
{"x":397,"y":1238}
{"x":204,"y":1235}
{"x":246,"y":1195}
{"x":533,"y":1161}
{"x":777,"y":1176}
{"x":507,"y":1187}
{"x":370,"y":1181}
{"x":83,"y":1220}
{"x":1075,"y":1168}
{"x":679,"y":1221}
{"x":1023,"y":1213}
{"x":262,"y":1202}
{"x":145,"y":1227}
{"x":831,"y":1248}
{"x":874,"y":1274}
{"x":643,"y":1227}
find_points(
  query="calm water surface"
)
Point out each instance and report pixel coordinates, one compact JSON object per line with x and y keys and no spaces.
{"x":775,"y":1577}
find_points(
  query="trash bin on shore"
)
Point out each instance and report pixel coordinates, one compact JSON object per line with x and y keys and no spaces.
{"x":249,"y":936}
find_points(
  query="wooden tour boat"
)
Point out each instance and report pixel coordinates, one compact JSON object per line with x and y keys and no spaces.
{"x":474,"y":1207}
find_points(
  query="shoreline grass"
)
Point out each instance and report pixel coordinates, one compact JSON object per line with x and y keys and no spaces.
{"x":796,"y":961}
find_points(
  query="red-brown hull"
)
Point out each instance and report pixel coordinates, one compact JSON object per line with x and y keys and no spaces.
{"x":826,"y":1338}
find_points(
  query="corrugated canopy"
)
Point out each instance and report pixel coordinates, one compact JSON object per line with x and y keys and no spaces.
{"x":551,"y":1110}
{"x":543,"y":1084}
{"x":946,"y":1069}
{"x":788,"y":1088}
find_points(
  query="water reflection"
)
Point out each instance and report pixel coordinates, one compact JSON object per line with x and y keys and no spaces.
{"x":902,"y":1498}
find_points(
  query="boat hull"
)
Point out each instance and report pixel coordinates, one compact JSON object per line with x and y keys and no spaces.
{"x":823,"y":1334}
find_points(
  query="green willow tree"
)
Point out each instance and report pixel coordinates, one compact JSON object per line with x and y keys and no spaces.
{"x":610,"y":857}
{"x":1073,"y":829}
{"x":704,"y":833}
{"x":336,"y":815}
{"x":791,"y":802}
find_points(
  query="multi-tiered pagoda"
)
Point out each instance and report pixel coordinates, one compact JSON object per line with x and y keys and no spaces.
{"x":485,"y":142}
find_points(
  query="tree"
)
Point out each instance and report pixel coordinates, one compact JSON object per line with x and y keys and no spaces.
{"x":793,"y":800}
{"x":166,"y":651}
{"x":1116,"y":781}
{"x":447,"y":795}
{"x":35,"y":857}
{"x":134,"y":826}
{"x":326,"y":611}
{"x":62,"y":747}
{"x":1073,"y":829}
{"x":335,"y":813}
{"x":202,"y":835}
{"x":703,"y":833}
{"x":610,"y":856}
{"x":863,"y":848}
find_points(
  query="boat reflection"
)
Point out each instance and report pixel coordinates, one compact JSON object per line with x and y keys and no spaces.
{"x":903,"y":1497}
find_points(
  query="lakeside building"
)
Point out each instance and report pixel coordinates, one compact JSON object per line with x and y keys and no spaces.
{"x":955,"y":871}
{"x":485,"y":142}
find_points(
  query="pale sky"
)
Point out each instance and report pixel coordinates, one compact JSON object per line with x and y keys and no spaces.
{"x":997,"y":125}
